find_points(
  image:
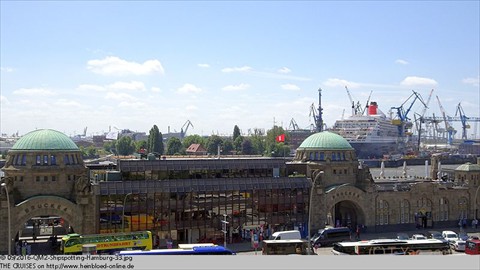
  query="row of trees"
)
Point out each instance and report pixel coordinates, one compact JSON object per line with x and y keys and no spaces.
{"x":256,"y":144}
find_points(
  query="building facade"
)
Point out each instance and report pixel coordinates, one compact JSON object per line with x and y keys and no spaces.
{"x":188,"y":199}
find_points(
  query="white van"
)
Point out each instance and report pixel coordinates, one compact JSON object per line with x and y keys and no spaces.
{"x":286,"y":235}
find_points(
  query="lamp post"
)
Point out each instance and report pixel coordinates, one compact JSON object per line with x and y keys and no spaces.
{"x":310,"y":213}
{"x":123,"y":211}
{"x":9,"y":223}
{"x":224,"y":230}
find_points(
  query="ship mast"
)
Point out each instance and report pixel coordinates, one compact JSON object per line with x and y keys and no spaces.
{"x":319,"y":122}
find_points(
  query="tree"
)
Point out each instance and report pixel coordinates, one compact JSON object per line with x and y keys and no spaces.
{"x":272,"y":149}
{"x":142,"y":144}
{"x":236,"y":132}
{"x":227,"y":147}
{"x":155,"y":141}
{"x":258,"y":144}
{"x":125,"y":146}
{"x":174,"y":146}
{"x":213,"y":143}
{"x":191,"y":139}
{"x":247,"y":148}
{"x":109,"y":147}
{"x":237,"y":144}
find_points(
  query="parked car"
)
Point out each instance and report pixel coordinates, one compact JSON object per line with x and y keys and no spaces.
{"x":418,"y":237}
{"x":402,"y":236}
{"x":450,"y":235}
{"x":458,"y":244}
{"x":435,"y":235}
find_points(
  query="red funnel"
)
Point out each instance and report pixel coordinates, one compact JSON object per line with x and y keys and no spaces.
{"x":372,"y":109}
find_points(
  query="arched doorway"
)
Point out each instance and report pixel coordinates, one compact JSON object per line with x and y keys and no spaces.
{"x":348,"y":214}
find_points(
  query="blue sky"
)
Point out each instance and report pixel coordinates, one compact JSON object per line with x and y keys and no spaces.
{"x":70,"y":65}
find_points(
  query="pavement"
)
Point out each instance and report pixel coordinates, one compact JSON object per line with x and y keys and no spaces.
{"x":246,"y":246}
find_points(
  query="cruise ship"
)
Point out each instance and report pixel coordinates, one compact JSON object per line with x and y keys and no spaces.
{"x":372,"y":135}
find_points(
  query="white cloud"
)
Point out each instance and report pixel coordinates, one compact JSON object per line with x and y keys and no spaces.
{"x":189,"y":88}
{"x":133,"y":85}
{"x":133,"y":105}
{"x":6,"y":69}
{"x":156,"y":89}
{"x":401,"y":62}
{"x":119,"y":96}
{"x":91,"y":87}
{"x":472,"y":81}
{"x":413,"y":80}
{"x":237,"y":69}
{"x":4,"y":100}
{"x":68,"y":103}
{"x":204,"y":65}
{"x":239,"y":87}
{"x":112,"y":65}
{"x":191,"y":108}
{"x":334,"y":82}
{"x":284,"y":70}
{"x":290,"y":86}
{"x":34,"y":91}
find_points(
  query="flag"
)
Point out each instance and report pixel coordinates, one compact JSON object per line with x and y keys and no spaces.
{"x":280,"y":138}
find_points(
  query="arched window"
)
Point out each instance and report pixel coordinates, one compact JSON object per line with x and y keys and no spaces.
{"x":463,"y":207}
{"x":443,"y":209}
{"x":404,"y":211}
{"x":382,"y":212}
{"x":311,"y":155}
{"x":322,"y":156}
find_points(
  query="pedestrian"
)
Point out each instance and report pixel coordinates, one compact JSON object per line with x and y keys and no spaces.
{"x":357,"y":233}
{"x":29,"y":249}
{"x":34,"y":236}
{"x":24,"y":248}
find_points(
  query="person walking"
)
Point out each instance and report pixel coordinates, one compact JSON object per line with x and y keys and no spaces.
{"x":357,"y":233}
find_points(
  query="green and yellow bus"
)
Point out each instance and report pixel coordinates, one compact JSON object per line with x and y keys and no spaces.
{"x":107,"y":243}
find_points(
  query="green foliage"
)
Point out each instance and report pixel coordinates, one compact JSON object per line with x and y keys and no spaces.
{"x":213,"y":143}
{"x":174,"y":146}
{"x":258,"y":144}
{"x":237,"y":144}
{"x":191,"y":139}
{"x":227,"y":147}
{"x":247,"y":147}
{"x":141,"y":144}
{"x":272,"y":147}
{"x":125,"y":146}
{"x":109,"y":147}
{"x":236,"y":132}
{"x":155,"y":141}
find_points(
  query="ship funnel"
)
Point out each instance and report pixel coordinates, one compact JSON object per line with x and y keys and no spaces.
{"x":372,"y":109}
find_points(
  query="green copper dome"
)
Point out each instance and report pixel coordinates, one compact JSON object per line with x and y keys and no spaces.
{"x":325,"y":140}
{"x":468,"y":167}
{"x":45,"y":139}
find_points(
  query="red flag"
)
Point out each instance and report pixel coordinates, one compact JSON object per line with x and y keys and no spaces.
{"x":280,"y":138}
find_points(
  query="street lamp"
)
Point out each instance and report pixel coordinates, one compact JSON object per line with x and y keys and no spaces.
{"x":9,"y":223}
{"x":310,"y":213}
{"x":123,"y":211}
{"x":224,"y":230}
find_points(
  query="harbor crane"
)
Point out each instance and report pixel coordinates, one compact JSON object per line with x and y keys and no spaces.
{"x":356,"y":108}
{"x":420,"y":120}
{"x":293,"y":125}
{"x":448,"y":127}
{"x":184,"y":128}
{"x":318,"y":120}
{"x":403,"y":121}
{"x":460,"y":113}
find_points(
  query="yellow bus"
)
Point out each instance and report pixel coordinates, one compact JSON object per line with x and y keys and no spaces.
{"x":107,"y":243}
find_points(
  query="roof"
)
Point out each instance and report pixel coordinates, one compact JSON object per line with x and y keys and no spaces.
{"x":195,"y":147}
{"x":325,"y":141}
{"x":468,"y":167}
{"x":45,"y":139}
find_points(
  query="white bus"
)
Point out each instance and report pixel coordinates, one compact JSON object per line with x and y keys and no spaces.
{"x":286,"y":247}
{"x":392,"y":247}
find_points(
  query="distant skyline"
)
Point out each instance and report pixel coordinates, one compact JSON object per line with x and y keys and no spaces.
{"x":67,"y":65}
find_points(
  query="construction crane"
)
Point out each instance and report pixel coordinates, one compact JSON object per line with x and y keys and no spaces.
{"x":356,"y":108}
{"x":293,"y":125}
{"x":184,"y":128}
{"x":403,"y":121}
{"x":420,"y":120}
{"x":448,"y":127}
{"x":460,"y":113}
{"x":366,"y":105}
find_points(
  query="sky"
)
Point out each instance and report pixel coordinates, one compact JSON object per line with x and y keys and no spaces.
{"x":109,"y":65}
